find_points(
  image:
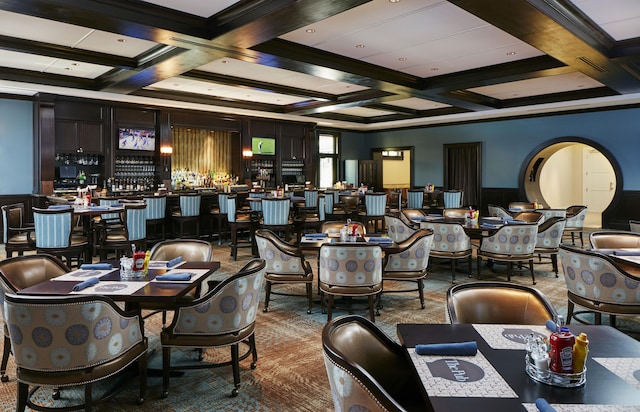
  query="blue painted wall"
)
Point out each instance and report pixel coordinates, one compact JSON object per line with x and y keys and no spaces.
{"x":16,"y":147}
{"x":507,"y":143}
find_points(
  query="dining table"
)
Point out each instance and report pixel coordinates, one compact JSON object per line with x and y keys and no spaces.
{"x":494,"y":379}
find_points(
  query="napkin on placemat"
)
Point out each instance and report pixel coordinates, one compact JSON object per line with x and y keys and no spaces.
{"x":174,"y":276}
{"x":96,"y":266}
{"x":315,"y":235}
{"x":448,"y":349}
{"x":551,"y":325}
{"x":174,"y":261}
{"x":87,"y":283}
{"x":490,"y":226}
{"x":627,"y":252}
{"x":380,"y":239}
{"x":59,"y":207}
{"x":99,"y":208}
{"x":543,"y":405}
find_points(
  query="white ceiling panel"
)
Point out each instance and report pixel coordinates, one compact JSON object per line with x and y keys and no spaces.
{"x":416,"y":103}
{"x":537,"y":87}
{"x":223,"y":91}
{"x":202,"y":8}
{"x":252,"y":71}
{"x":44,"y":64}
{"x":619,"y":18}
{"x":363,"y":112}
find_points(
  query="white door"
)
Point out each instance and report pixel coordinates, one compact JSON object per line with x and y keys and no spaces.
{"x":599,"y":185}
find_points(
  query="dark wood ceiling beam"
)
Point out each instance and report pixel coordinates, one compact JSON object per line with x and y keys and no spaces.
{"x":361,"y":98}
{"x":27,"y":76}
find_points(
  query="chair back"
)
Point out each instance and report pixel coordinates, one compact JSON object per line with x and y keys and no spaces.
{"x":531,"y":217}
{"x":550,"y":233}
{"x":549,"y":213}
{"x":12,"y":218}
{"x":53,"y":227}
{"x":375,"y":204}
{"x":256,"y":205}
{"x":156,"y":207}
{"x":231,"y":208}
{"x":190,"y":205}
{"x":498,"y":302}
{"x":367,"y":369}
{"x":397,"y":230}
{"x":222,"y":202}
{"x":634,"y":226}
{"x":415,"y":199}
{"x":594,"y":277}
{"x":394,"y":201}
{"x":408,"y":214}
{"x":614,"y":239}
{"x":575,"y":217}
{"x":20,"y":272}
{"x":350,"y":202}
{"x":311,"y":198}
{"x":233,"y":302}
{"x":413,"y":255}
{"x":513,"y":240}
{"x":333,"y":228}
{"x":329,"y":201}
{"x":135,"y":216}
{"x":498,"y":211}
{"x":452,"y":199}
{"x":280,"y":257}
{"x":455,"y":213}
{"x":103,"y":201}
{"x":520,"y":206}
{"x":322,"y":215}
{"x":351,"y":266}
{"x":276,"y":211}
{"x":448,"y":237}
{"x":71,"y":333}
{"x":191,"y":250}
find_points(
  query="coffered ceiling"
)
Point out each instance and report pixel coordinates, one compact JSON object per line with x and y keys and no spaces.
{"x":352,"y":64}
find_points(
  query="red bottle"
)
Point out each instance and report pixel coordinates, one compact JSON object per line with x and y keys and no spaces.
{"x":138,"y":260}
{"x":561,"y":355}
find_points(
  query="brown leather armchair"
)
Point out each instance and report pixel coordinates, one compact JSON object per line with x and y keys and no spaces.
{"x":531,"y":217}
{"x":455,"y":213}
{"x":359,"y":356}
{"x":614,"y":239}
{"x":333,"y":228}
{"x":21,"y":272}
{"x":498,"y":302}
{"x":18,"y":237}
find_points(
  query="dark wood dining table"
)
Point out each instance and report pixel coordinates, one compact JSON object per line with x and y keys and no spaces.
{"x":612,"y":377}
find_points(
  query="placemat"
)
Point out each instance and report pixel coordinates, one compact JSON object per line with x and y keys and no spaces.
{"x":82,"y":274}
{"x":460,"y":376}
{"x":627,"y":369}
{"x":195,"y":274}
{"x":572,"y":407}
{"x":112,"y":288}
{"x":162,"y":264}
{"x":509,"y":336}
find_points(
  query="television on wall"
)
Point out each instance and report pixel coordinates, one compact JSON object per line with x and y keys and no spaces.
{"x":136,"y":139}
{"x":263,"y":145}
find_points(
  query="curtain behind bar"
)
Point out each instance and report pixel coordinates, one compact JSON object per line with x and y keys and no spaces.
{"x":201,"y":150}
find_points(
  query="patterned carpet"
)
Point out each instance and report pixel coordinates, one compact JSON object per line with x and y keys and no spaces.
{"x":290,"y":375}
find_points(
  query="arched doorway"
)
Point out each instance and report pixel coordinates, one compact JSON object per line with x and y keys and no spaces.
{"x":572,"y":171}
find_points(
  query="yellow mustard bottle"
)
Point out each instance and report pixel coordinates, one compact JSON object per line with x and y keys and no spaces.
{"x":580,"y":350}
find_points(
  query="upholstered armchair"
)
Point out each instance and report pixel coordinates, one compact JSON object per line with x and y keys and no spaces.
{"x":510,"y":244}
{"x":455,"y":213}
{"x":285,"y":265}
{"x":498,"y":211}
{"x":72,"y":341}
{"x":397,"y":229}
{"x":408,"y":214}
{"x":224,"y":317}
{"x":610,"y":240}
{"x":598,"y":283}
{"x":415,"y":199}
{"x":531,"y":217}
{"x":350,"y":269}
{"x":548,"y":240}
{"x":452,"y":199}
{"x":498,"y":302}
{"x":451,"y":242}
{"x":409,"y":263}
{"x":367,"y":370}
{"x":241,"y":227}
{"x":17,"y":237}
{"x":576,"y":216}
{"x":21,"y":272}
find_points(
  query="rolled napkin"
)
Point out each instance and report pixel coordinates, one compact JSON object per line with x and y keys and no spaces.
{"x":174,"y":261}
{"x":96,"y":266}
{"x":174,"y":276}
{"x":551,"y":325}
{"x":99,"y":208}
{"x":380,"y":239}
{"x":490,"y":226}
{"x":543,"y":405}
{"x":315,"y":235}
{"x":87,"y":283}
{"x":59,"y":207}
{"x":448,"y":349}
{"x":627,"y":252}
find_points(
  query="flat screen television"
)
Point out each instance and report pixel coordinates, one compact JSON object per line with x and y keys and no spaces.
{"x":136,"y":139}
{"x":263,"y":145}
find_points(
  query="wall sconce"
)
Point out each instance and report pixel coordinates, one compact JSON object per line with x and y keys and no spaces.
{"x":247,"y":154}
{"x":165,"y":152}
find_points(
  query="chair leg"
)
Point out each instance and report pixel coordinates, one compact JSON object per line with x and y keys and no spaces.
{"x":612,"y":320}
{"x":88,"y":398}
{"x":533,"y":276}
{"x":254,"y":351}
{"x":23,"y":395}
{"x":235,"y":365}
{"x":267,"y":295}
{"x":554,"y":263}
{"x":453,"y":271}
{"x":142,"y":374}
{"x":372,"y":313}
{"x":309,"y":296}
{"x":421,"y":292}
{"x":329,"y":307}
{"x":581,"y":240}
{"x":598,"y":318}
{"x":470,"y":265}
{"x":5,"y":359}
{"x":569,"y":312}
{"x":479,"y":264}
{"x":509,"y":267}
{"x":166,"y":369}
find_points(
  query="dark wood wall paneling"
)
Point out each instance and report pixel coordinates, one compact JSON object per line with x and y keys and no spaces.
{"x":617,"y":215}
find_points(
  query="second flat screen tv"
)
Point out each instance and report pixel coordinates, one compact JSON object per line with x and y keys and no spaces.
{"x":136,"y":139}
{"x":263,"y":145}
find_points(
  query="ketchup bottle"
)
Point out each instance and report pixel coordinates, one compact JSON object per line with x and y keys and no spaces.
{"x":561,"y":354}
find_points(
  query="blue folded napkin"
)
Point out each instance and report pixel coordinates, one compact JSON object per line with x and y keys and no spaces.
{"x":551,"y":325}
{"x":99,"y":207}
{"x":87,"y":283}
{"x":448,"y":349}
{"x":380,"y":239}
{"x":174,"y":261}
{"x":490,"y":226}
{"x":627,"y":252}
{"x":435,"y":214}
{"x":315,"y":235}
{"x":96,"y":266}
{"x":174,"y":276}
{"x":543,"y":405}
{"x":59,"y":206}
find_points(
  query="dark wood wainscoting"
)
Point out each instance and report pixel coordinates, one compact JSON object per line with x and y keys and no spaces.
{"x":500,"y":196}
{"x":617,"y":215}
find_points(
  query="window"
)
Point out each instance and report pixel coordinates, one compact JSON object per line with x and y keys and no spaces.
{"x":328,"y":148}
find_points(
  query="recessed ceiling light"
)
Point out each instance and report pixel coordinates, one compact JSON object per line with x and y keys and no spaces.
{"x":511,"y":53}
{"x":122,"y":40}
{"x":176,"y":85}
{"x":515,"y":95}
{"x":74,"y":64}
{"x":403,"y":59}
{"x":434,"y":69}
{"x":310,"y":30}
{"x":394,"y":1}
{"x":359,"y":46}
{"x":225,"y":61}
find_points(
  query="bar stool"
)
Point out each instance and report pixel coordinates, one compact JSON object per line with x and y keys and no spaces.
{"x":276,"y":216}
{"x":375,"y":204}
{"x":133,"y":232}
{"x":54,"y":235}
{"x":415,"y":199}
{"x":189,"y":212}
{"x":239,"y":222}
{"x":155,"y":213}
{"x":219,"y":213}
